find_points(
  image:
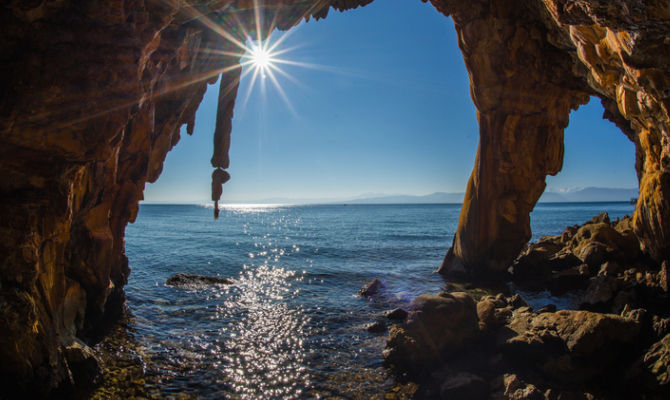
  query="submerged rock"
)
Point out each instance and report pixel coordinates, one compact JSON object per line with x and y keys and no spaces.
{"x":371,"y":288}
{"x":182,"y":279}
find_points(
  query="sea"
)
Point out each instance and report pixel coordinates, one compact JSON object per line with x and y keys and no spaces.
{"x":291,"y":326}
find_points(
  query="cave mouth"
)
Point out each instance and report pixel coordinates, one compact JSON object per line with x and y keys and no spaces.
{"x":74,"y":174}
{"x":346,"y":119}
{"x":283,"y":254}
{"x":297,"y":269}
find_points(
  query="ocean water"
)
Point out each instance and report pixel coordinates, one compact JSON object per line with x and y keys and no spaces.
{"x":291,"y":326}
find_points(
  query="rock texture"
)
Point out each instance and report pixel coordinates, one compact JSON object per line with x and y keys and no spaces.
{"x":94,"y":95}
{"x":530,"y":63}
{"x":503,"y":349}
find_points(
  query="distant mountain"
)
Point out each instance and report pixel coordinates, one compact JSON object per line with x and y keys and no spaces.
{"x":588,"y":194}
{"x":433,"y":198}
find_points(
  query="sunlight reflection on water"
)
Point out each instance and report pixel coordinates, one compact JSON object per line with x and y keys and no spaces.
{"x":265,"y":354}
{"x":291,"y":325}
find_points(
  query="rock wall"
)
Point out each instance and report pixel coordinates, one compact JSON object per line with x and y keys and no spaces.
{"x":530,"y":63}
{"x":95,"y":93}
{"x":93,"y":97}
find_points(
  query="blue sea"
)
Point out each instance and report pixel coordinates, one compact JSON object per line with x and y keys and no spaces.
{"x":292,"y":325}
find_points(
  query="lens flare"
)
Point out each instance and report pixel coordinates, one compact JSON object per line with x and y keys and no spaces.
{"x":261,"y":58}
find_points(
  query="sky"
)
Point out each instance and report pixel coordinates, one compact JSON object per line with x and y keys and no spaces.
{"x":384,"y":108}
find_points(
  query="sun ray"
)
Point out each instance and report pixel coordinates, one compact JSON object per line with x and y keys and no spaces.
{"x":281,"y":92}
{"x":290,"y":77}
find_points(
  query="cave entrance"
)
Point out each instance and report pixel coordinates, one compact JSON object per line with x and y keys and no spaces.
{"x":598,"y":174}
{"x":374,"y":109}
{"x":356,"y":127}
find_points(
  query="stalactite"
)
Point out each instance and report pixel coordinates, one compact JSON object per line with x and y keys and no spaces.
{"x":219,"y":177}
{"x":224,"y":115}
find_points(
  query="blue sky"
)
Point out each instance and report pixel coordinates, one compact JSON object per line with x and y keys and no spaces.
{"x":389,"y":112}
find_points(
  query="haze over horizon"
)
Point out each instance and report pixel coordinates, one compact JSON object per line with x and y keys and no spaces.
{"x":385,"y":108}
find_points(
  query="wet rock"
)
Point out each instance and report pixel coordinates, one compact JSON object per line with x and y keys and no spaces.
{"x":436,"y":325}
{"x":184,"y":280}
{"x":464,"y":386}
{"x":82,"y":362}
{"x":397,"y":314}
{"x":376,"y":327}
{"x":371,"y":288}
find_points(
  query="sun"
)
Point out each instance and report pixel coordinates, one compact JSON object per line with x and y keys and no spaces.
{"x":261,"y":58}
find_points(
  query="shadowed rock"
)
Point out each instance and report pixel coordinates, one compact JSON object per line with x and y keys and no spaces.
{"x":397,"y":314}
{"x":436,"y":324}
{"x":181,"y":280}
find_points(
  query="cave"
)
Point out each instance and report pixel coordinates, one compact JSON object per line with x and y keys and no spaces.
{"x":73,"y":175}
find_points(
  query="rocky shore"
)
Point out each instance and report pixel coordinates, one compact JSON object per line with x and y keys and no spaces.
{"x":458,"y":345}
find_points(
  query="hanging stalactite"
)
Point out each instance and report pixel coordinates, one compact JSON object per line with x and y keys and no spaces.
{"x":224,"y":116}
{"x":219,"y":177}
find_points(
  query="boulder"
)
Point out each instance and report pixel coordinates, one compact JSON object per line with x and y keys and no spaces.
{"x":188,"y":280}
{"x":397,"y":314}
{"x":569,"y":346}
{"x":82,"y":362}
{"x":436,"y":325}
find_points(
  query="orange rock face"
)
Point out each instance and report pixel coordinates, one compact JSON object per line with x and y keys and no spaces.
{"x":530,"y":63}
{"x":94,"y":95}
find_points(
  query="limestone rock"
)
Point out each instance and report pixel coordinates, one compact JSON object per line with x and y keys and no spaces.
{"x":569,"y":346}
{"x":436,"y":325}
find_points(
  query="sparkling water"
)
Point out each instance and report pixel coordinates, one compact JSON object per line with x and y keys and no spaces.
{"x":292,"y":325}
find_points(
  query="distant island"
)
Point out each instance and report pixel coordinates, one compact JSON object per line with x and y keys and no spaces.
{"x":588,"y":194}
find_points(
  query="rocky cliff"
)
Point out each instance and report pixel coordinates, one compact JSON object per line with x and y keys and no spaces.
{"x":530,"y":63}
{"x":94,"y":95}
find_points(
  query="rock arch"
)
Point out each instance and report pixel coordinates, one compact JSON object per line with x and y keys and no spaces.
{"x":73,"y":174}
